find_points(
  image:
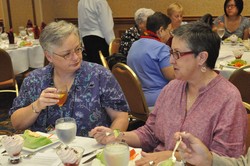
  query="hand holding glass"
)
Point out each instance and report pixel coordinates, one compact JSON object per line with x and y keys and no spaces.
{"x":66,"y":129}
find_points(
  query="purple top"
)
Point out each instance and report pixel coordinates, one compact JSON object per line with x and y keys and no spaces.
{"x":217,"y":117}
{"x":94,"y":88}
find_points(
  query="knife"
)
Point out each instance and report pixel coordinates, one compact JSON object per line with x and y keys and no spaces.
{"x":89,"y":160}
{"x":89,"y":153}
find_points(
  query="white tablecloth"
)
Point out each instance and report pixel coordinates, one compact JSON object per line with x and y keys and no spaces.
{"x":48,"y":156}
{"x":26,"y":57}
{"x":226,"y":56}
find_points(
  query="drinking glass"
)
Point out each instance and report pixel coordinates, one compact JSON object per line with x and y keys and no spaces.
{"x":221,"y":32}
{"x":70,"y":156}
{"x":30,"y":32}
{"x":13,"y":146}
{"x":116,"y":153}
{"x":66,"y":129}
{"x":238,"y":53}
{"x":62,"y":91}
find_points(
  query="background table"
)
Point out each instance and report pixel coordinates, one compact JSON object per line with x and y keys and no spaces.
{"x":226,"y":56}
{"x":26,"y":57}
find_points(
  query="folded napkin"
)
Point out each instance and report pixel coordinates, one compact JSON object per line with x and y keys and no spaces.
{"x":11,"y":37}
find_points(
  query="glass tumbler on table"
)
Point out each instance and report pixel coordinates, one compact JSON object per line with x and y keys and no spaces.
{"x":66,"y":129}
{"x":13,"y":146}
{"x":116,"y":153}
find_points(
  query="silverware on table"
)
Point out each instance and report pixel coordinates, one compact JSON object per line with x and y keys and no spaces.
{"x":89,"y":160}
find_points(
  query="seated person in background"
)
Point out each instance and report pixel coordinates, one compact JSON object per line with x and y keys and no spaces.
{"x":199,"y":101}
{"x":94,"y":96}
{"x":233,"y":21}
{"x":134,"y":33}
{"x":208,"y":19}
{"x":175,"y":13}
{"x":149,"y":57}
{"x":195,"y":152}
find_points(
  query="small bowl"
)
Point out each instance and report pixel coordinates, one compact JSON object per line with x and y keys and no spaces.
{"x":238,"y":53}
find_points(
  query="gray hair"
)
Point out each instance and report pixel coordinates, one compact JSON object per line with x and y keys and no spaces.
{"x":55,"y":33}
{"x":200,"y":37}
{"x":142,"y":14}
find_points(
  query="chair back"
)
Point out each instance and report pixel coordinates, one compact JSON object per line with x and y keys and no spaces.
{"x":132,"y":89}
{"x":7,"y":77}
{"x":241,"y":79}
{"x":104,"y":61}
{"x":248,"y":132}
{"x":114,"y":46}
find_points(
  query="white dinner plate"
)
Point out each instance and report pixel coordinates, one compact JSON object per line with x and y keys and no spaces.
{"x":53,"y":138}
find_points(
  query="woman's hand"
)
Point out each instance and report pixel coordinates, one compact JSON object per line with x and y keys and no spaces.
{"x":155,"y":157}
{"x":48,"y":97}
{"x":103,"y":135}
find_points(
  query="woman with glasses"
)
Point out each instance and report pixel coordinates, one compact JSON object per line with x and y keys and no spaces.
{"x":94,"y":97}
{"x":232,"y":20}
{"x":198,"y":101}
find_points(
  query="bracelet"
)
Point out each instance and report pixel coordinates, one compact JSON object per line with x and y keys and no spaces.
{"x":34,"y":109}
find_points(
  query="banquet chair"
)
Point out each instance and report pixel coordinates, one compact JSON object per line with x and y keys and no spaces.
{"x":241,"y":79}
{"x":132,"y":89}
{"x":103,"y":60}
{"x":248,"y":132}
{"x":8,"y":81}
{"x":114,"y":46}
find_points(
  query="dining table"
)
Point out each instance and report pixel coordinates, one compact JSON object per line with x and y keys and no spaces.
{"x":226,"y":56}
{"x":24,"y":57}
{"x":46,"y":156}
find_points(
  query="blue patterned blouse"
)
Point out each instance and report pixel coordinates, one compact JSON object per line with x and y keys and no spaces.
{"x":93,"y":90}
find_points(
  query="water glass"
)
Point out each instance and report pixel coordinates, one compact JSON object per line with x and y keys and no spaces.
{"x":116,"y":153}
{"x":66,"y":129}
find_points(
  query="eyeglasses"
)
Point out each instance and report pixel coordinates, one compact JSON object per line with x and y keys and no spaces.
{"x":68,"y":55}
{"x":230,"y":6}
{"x":177,"y":54}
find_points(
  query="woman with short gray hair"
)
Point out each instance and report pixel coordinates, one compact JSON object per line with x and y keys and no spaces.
{"x":134,"y":33}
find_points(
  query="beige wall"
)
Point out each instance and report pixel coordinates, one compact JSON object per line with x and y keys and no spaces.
{"x":126,"y":8}
{"x":48,"y":10}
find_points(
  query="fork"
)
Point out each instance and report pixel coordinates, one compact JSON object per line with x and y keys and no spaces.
{"x":175,"y":148}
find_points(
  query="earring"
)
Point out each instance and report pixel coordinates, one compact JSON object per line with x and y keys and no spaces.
{"x":203,"y":69}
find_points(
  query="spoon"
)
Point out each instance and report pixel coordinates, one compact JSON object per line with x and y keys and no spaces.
{"x":175,"y":148}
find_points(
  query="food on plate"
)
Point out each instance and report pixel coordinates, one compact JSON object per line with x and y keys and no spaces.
{"x":233,"y":38}
{"x":25,"y":43}
{"x":34,"y":140}
{"x":237,"y":63}
{"x":13,"y":144}
{"x":168,"y":162}
{"x":70,"y":156}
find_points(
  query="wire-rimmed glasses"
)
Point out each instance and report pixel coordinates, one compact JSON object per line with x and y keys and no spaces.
{"x":68,"y":55}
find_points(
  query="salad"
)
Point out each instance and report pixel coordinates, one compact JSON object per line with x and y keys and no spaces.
{"x":237,"y":63}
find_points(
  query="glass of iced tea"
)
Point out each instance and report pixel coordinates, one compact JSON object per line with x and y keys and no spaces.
{"x":62,"y":91}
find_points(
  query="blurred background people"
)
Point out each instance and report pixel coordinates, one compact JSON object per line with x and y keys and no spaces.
{"x":195,"y":152}
{"x":175,"y":13}
{"x":149,"y":57}
{"x":199,"y":101}
{"x":94,"y":97}
{"x":132,"y":34}
{"x":232,"y":20}
{"x":96,"y":25}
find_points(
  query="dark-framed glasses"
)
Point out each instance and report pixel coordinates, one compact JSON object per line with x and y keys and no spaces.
{"x":68,"y":55}
{"x":177,"y":54}
{"x":230,"y":6}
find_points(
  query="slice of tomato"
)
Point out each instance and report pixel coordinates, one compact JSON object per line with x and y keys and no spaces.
{"x":133,"y":154}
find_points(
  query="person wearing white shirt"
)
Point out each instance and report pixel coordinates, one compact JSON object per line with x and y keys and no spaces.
{"x":96,"y":24}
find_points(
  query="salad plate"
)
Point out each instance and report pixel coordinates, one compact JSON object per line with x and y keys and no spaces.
{"x":235,"y":64}
{"x":53,"y":138}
